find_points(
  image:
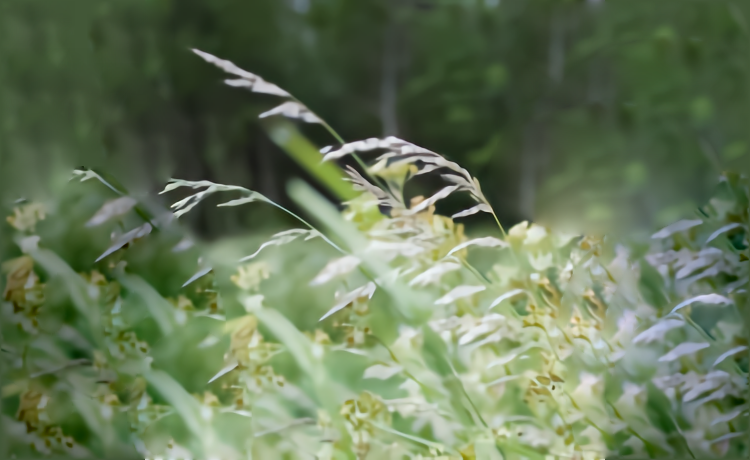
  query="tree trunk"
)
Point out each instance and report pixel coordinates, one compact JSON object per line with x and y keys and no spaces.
{"x":389,"y":80}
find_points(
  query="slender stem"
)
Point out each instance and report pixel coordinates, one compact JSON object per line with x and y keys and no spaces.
{"x":396,"y":360}
{"x":466,"y":394}
{"x":643,"y":440}
{"x":684,"y":439}
{"x":502,"y":230}
{"x":340,"y":140}
{"x":299,"y":421}
{"x":700,"y":330}
{"x":505,"y":235}
{"x":333,"y":132}
{"x":476,"y":272}
{"x":362,"y":269}
{"x":703,"y":333}
{"x":309,"y":225}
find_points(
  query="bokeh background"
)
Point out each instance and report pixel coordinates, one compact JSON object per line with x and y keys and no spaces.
{"x":613,"y":115}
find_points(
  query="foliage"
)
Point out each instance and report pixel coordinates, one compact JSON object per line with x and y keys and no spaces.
{"x":569,"y":109}
{"x":433,"y":344}
{"x":79,"y":338}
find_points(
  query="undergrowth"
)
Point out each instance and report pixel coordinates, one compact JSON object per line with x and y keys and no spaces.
{"x":568,"y":346}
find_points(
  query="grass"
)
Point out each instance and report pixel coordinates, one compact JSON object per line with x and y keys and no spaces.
{"x":418,"y":339}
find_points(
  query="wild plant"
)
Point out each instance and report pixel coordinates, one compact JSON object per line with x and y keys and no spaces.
{"x":518,"y":344}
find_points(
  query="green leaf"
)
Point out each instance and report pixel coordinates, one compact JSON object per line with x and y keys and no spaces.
{"x":112,"y":184}
{"x":405,"y":302}
{"x":286,"y":136}
{"x":436,"y":357}
{"x":651,"y":285}
{"x":431,"y":444}
{"x":185,"y":405}
{"x":200,"y":274}
{"x":658,"y":409}
{"x":159,"y":308}
{"x":77,"y":289}
{"x":125,"y":239}
{"x":103,"y":429}
{"x":301,"y":348}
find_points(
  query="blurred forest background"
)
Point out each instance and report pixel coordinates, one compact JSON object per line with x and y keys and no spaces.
{"x":596,"y":111}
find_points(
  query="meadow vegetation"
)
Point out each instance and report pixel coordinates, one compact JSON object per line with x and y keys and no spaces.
{"x":381,"y":328}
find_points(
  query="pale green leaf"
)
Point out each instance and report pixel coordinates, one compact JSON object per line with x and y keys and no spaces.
{"x":486,"y":242}
{"x":111,"y":209}
{"x":683,"y":349}
{"x":714,"y":299}
{"x":729,"y":353}
{"x":125,"y":239}
{"x":381,"y":371}
{"x":459,"y":292}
